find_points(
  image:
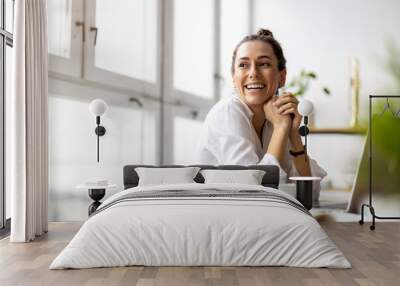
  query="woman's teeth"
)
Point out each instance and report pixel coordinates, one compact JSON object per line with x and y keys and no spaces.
{"x":255,"y":86}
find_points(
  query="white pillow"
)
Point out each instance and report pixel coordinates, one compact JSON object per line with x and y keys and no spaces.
{"x":248,"y":177}
{"x":163,"y":176}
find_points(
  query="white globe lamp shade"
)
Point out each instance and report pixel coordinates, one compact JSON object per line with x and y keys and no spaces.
{"x":305,"y":107}
{"x":98,"y":107}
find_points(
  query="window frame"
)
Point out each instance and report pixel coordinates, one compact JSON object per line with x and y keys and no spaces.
{"x":93,"y":73}
{"x":178,"y":103}
{"x":170,"y":99}
{"x":72,"y":66}
{"x":6,"y":39}
{"x":180,"y":97}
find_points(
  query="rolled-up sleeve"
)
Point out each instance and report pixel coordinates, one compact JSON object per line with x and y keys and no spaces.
{"x":270,"y":159}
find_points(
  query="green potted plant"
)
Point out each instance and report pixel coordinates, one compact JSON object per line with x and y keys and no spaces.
{"x":300,"y":83}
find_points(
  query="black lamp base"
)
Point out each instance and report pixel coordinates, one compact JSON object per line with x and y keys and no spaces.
{"x":96,"y":195}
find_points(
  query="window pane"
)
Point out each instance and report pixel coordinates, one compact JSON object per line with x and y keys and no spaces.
{"x":59,"y":27}
{"x":186,"y":137}
{"x":8,"y":82}
{"x":234,"y":26}
{"x":2,"y":141}
{"x":193,"y":47}
{"x":130,"y":137}
{"x":127,"y":37}
{"x":9,"y":15}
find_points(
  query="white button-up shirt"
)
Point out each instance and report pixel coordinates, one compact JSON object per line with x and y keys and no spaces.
{"x":229,"y":138}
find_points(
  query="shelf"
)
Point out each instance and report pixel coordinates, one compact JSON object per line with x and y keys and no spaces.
{"x":345,"y":130}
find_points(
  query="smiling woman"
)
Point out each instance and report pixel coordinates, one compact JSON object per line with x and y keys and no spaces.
{"x":256,"y":126}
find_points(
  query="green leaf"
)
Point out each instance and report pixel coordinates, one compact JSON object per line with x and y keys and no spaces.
{"x":312,"y":75}
{"x":326,"y":90}
{"x":301,"y":82}
{"x":301,"y":90}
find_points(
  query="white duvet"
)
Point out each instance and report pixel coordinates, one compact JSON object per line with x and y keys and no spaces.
{"x":200,"y":231}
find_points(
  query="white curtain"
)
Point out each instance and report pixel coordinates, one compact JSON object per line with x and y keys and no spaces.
{"x":27,"y":160}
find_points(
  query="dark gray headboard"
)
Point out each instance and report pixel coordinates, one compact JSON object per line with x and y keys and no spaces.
{"x":270,"y":179}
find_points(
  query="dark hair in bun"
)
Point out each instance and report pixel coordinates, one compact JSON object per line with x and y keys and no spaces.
{"x":265,"y":36}
{"x":264,"y":32}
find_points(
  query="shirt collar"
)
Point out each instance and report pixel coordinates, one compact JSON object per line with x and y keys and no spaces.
{"x":247,"y":109}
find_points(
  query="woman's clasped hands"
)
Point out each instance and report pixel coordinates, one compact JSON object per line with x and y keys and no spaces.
{"x":282,"y":112}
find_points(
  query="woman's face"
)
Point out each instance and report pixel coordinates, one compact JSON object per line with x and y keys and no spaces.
{"x":256,"y":75}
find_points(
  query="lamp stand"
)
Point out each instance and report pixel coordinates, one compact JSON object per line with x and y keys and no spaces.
{"x":304,"y":131}
{"x":100,"y":131}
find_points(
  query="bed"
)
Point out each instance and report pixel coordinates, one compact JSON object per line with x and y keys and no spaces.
{"x":201,"y":224}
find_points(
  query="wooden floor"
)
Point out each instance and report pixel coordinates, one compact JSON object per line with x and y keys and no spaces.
{"x":375,"y":256}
